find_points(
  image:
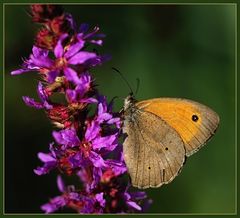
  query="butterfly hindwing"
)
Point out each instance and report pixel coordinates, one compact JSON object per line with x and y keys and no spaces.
{"x":154,"y":155}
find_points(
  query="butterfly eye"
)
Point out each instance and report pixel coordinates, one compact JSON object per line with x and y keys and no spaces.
{"x":166,"y":148}
{"x":194,"y":118}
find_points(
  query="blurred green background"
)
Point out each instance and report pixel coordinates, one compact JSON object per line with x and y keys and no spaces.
{"x":183,"y":51}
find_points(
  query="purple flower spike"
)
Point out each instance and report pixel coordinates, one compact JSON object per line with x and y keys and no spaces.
{"x":87,"y":143}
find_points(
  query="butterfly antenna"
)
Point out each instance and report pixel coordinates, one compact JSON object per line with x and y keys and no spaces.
{"x":124,"y":79}
{"x":137,"y":88}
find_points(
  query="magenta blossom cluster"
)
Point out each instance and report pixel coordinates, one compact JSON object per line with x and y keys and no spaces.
{"x":86,"y":145}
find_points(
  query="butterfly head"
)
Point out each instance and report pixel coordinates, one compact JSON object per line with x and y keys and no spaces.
{"x":129,"y":101}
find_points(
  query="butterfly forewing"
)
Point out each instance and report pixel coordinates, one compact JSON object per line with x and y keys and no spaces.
{"x":194,"y":122}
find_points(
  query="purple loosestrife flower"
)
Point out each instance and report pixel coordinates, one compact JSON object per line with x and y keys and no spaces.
{"x":65,"y":58}
{"x":85,"y":150}
{"x":83,"y":87}
{"x":74,"y":199}
{"x":87,"y":145}
{"x":43,"y":97}
{"x":89,"y":203}
{"x":78,"y":98}
{"x":90,"y":36}
{"x":49,"y":160}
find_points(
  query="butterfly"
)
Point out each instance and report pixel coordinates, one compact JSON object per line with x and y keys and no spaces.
{"x":161,"y":134}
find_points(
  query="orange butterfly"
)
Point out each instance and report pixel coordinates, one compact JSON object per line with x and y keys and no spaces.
{"x":161,"y":133}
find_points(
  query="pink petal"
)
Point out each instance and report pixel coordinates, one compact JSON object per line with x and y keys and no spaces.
{"x":74,"y":49}
{"x":60,"y":184}
{"x":45,"y":157}
{"x":134,"y":205}
{"x":81,"y":57}
{"x":58,"y":50}
{"x":71,"y":75}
